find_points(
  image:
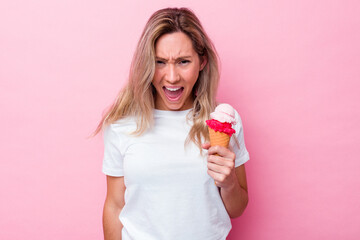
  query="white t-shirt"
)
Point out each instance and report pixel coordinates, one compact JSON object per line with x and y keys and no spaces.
{"x":169,"y":194}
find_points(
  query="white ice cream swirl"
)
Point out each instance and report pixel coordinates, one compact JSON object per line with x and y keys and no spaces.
{"x":224,"y":113}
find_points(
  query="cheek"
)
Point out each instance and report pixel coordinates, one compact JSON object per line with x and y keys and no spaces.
{"x":192,"y":75}
{"x":156,"y":78}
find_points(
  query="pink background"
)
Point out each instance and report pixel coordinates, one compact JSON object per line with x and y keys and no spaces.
{"x":291,"y":68}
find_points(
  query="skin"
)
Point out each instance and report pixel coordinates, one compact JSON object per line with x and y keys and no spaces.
{"x":113,"y":205}
{"x":173,"y":70}
{"x":177,"y":65}
{"x":230,"y":180}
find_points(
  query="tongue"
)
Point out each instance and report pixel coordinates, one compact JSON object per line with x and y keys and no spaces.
{"x":173,"y":94}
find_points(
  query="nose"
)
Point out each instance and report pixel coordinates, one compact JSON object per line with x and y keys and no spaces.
{"x":172,"y":74}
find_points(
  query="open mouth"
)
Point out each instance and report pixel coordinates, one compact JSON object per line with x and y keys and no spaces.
{"x":173,"y":93}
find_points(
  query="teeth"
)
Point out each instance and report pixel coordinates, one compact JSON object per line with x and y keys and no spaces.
{"x":172,"y":89}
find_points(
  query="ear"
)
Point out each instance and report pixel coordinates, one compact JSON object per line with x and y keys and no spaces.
{"x":203,"y":62}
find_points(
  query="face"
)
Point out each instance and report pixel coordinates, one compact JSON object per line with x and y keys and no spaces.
{"x":177,"y":68}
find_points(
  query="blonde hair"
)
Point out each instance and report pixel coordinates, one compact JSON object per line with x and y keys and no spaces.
{"x":137,"y":97}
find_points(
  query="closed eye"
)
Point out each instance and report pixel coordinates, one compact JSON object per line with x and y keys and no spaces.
{"x":159,"y":62}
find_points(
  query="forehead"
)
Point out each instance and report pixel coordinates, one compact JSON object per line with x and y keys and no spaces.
{"x":172,"y":45}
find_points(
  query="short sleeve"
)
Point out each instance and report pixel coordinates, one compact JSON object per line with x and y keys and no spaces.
{"x":239,"y":147}
{"x":113,"y":159}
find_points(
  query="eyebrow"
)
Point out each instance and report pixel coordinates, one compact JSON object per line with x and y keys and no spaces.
{"x":182,"y":57}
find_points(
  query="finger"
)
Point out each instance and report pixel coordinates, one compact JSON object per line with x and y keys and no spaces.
{"x":222,"y":151}
{"x":206,"y":145}
{"x":218,"y":160}
{"x":218,"y":168}
{"x":218,"y":177}
{"x":217,"y":150}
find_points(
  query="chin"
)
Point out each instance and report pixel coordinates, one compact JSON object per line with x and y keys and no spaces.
{"x":174,"y":107}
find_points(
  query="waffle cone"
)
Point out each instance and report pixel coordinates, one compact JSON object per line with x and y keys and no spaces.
{"x":218,"y":138}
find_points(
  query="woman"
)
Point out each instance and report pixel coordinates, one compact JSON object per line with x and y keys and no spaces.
{"x":160,"y":184}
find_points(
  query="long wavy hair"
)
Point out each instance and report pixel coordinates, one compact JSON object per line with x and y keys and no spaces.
{"x":137,"y":97}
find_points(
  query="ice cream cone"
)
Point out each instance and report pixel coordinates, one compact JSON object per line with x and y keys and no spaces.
{"x":220,"y":126}
{"x":218,"y":138}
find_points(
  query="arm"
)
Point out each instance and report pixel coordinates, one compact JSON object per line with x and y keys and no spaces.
{"x":236,"y":198}
{"x":231,"y":180}
{"x":114,"y":202}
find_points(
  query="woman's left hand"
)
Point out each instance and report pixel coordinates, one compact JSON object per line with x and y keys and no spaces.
{"x":221,"y":167}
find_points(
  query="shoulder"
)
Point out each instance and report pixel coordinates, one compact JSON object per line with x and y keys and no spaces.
{"x":120,"y":129}
{"x":122,"y":126}
{"x":117,"y":135}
